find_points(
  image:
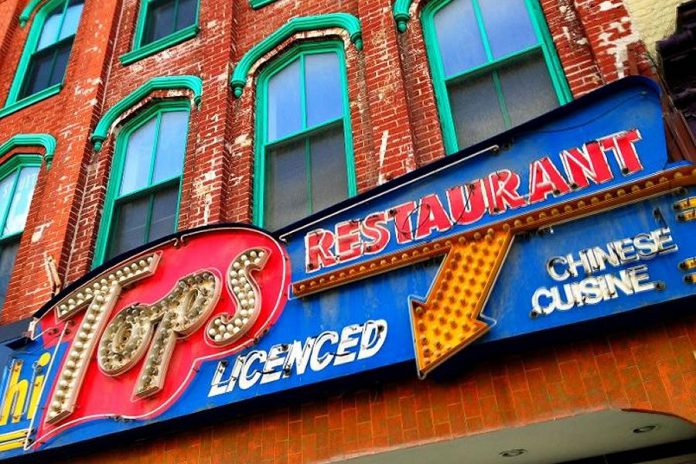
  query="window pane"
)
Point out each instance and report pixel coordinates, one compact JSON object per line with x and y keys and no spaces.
{"x":72,"y":19}
{"x":163,"y":220}
{"x":329,"y":180}
{"x":171,"y":147}
{"x":527,"y":89}
{"x":475,"y":110}
{"x":160,"y":20}
{"x":38,"y":73}
{"x":508,"y":26}
{"x":129,"y":227}
{"x":136,"y":169}
{"x":323,"y":87}
{"x":49,"y":31}
{"x":286,"y":185}
{"x":284,"y":104}
{"x":8,"y":253}
{"x":5,"y":192}
{"x":458,"y":37}
{"x":17,"y":216}
{"x":61,"y":62}
{"x":187,"y":13}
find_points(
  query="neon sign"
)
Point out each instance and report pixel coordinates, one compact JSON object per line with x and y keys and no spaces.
{"x":578,"y":210}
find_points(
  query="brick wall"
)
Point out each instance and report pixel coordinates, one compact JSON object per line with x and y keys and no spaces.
{"x":395,"y":129}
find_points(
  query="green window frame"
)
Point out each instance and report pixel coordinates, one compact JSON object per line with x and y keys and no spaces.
{"x":15,"y":100}
{"x":114,"y":198}
{"x":142,"y":48}
{"x":544,"y":45}
{"x":11,"y":171}
{"x":256,"y":4}
{"x":299,"y":52}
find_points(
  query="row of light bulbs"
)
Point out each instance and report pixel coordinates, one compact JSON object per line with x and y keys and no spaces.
{"x":96,"y":296}
{"x":225,"y":329}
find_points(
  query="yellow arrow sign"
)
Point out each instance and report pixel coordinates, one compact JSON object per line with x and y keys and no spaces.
{"x":448,"y":319}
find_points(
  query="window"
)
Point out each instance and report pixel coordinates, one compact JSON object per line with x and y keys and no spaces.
{"x":305,"y":159}
{"x":42,"y":67}
{"x":143,"y":192}
{"x":493,"y":66}
{"x":162,"y":24}
{"x":17,"y":183}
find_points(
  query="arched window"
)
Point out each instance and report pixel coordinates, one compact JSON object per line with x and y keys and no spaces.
{"x":493,"y":66}
{"x":44,"y":61}
{"x":17,"y":180}
{"x":142,"y":199}
{"x":304,"y":159}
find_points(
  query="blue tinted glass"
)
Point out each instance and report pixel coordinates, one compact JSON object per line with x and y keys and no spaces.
{"x":508,"y":26}
{"x":17,"y":216}
{"x":130,"y":228}
{"x":285,"y":184}
{"x":171,"y":147}
{"x":284,"y":104}
{"x":163,"y":217}
{"x":527,"y":88}
{"x":187,"y":13}
{"x":6,"y":192}
{"x":323,"y":87}
{"x":475,"y":109}
{"x":458,"y":37}
{"x":72,"y":19}
{"x":136,"y":168}
{"x":328,"y":168}
{"x":8,"y":253}
{"x":49,"y":32}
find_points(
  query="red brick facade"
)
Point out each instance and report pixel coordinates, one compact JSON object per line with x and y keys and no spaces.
{"x":392,"y":106}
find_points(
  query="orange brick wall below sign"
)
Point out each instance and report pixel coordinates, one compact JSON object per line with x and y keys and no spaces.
{"x":648,"y":367}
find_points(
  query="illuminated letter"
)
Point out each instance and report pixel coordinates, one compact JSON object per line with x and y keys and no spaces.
{"x":467,"y":203}
{"x":225,"y":329}
{"x":318,"y":244}
{"x":544,"y":179}
{"x":178,"y":315}
{"x":431,"y":215}
{"x":502,"y":191}
{"x":96,"y":299}
{"x":585,"y":165}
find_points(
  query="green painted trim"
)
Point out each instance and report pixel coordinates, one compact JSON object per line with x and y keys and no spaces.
{"x":141,"y":50}
{"x":117,"y":165}
{"x":344,"y":21}
{"x":16,"y":161}
{"x":30,"y":100}
{"x":11,"y":104}
{"x":28,"y":10}
{"x":440,"y":80}
{"x":558,"y":77}
{"x":182,"y":35}
{"x":261,"y":133}
{"x":256,"y":4}
{"x":401,"y":14}
{"x":193,"y":83}
{"x":48,"y":142}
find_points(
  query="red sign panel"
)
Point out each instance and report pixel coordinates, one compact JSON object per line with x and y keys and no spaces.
{"x":133,"y":348}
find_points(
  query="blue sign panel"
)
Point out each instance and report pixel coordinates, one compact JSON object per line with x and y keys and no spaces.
{"x":573,"y":217}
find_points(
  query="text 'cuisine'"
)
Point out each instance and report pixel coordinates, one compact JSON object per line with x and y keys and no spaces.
{"x":468,"y":203}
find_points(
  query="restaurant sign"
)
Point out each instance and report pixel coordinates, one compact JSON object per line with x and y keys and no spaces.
{"x":570,"y":218}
